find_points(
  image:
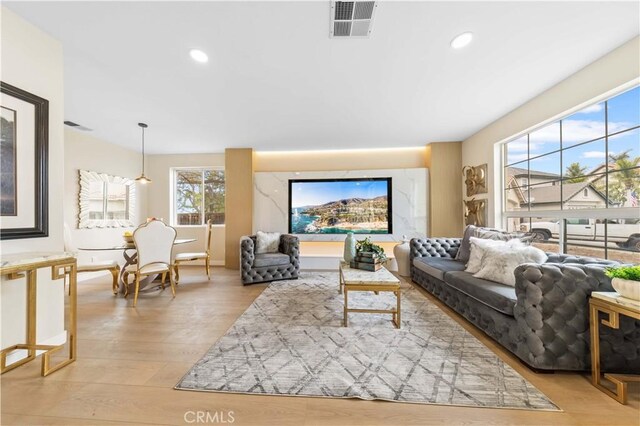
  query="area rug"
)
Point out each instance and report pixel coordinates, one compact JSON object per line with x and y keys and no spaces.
{"x":291,"y":341}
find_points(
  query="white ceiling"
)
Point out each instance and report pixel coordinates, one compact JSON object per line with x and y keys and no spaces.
{"x":276,"y":81}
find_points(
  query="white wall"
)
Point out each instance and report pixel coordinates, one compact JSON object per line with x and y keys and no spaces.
{"x":159,"y":200}
{"x":617,"y":68}
{"x":32,"y":61}
{"x":83,"y":151}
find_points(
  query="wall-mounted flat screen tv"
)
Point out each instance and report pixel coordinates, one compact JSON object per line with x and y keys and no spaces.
{"x":338,"y":206}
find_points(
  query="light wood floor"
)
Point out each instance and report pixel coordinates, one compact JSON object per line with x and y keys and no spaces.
{"x":130,"y":359}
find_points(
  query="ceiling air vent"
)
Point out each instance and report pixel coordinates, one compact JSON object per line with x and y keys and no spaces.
{"x":352,"y":18}
{"x":77,"y":126}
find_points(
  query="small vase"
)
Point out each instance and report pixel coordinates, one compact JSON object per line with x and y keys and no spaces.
{"x":401,"y":253}
{"x":349,"y":247}
{"x":627,"y":288}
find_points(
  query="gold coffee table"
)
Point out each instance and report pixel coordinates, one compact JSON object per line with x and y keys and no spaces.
{"x":360,"y":280}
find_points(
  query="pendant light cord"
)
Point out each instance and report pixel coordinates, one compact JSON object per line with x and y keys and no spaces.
{"x":142,"y":151}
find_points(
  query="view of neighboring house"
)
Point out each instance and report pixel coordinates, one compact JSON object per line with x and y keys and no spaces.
{"x":542,"y":191}
{"x":546,"y":194}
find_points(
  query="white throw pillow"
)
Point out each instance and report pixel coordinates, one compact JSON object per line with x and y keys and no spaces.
{"x":478,"y":247}
{"x":498,"y":263}
{"x":267,"y":242}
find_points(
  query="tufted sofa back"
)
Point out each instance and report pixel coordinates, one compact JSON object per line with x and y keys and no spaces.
{"x":581,"y":260}
{"x":434,"y":247}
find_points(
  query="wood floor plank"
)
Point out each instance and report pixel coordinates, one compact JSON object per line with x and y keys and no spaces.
{"x":92,"y":370}
{"x":12,"y":419}
{"x":130,"y":359}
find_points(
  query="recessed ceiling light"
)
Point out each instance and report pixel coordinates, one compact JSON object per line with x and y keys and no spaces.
{"x":199,"y":56}
{"x":461,"y":40}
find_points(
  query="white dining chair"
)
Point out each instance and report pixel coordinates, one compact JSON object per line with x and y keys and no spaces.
{"x":190,"y":257}
{"x":154,"y":242}
{"x":104,"y":265}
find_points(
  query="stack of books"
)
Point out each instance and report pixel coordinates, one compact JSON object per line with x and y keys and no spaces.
{"x":367,"y":261}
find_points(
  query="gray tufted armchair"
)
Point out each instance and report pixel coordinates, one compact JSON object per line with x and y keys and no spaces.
{"x":258,"y":268}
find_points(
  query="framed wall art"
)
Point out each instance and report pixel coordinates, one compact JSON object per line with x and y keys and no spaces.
{"x":24,"y":148}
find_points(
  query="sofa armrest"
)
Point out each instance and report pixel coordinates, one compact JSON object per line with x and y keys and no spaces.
{"x":247,"y":253}
{"x":552,"y":311}
{"x":433,"y":247}
{"x":290,"y":244}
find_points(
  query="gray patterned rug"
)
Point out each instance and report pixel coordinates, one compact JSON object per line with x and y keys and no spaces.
{"x":290,"y":341}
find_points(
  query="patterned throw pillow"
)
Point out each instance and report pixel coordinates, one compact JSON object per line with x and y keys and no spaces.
{"x":267,"y":242}
{"x":499,"y":263}
{"x":479,"y":247}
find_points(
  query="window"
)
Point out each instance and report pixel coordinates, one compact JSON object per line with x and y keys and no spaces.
{"x":575,"y":182}
{"x":198,"y":195}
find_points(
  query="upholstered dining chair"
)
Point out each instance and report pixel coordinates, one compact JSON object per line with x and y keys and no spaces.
{"x":189,"y":257}
{"x":154,"y":242}
{"x":105,"y":265}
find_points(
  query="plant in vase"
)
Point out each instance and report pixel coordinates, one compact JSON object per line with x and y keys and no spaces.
{"x":366,"y":246}
{"x":625,"y":280}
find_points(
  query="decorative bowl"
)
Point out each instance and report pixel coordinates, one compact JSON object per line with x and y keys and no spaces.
{"x":627,"y":288}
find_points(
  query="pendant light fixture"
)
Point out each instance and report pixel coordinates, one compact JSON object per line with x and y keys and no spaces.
{"x":142,"y":178}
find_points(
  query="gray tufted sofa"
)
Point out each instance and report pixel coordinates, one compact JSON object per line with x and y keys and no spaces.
{"x":258,"y":268}
{"x":544,"y":320}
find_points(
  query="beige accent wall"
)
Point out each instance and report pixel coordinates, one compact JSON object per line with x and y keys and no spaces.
{"x":238,"y":207}
{"x":599,"y":79}
{"x":85,"y":152}
{"x":159,"y":196}
{"x":444,"y":161}
{"x":393,"y":158}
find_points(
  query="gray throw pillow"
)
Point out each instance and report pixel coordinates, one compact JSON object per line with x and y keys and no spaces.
{"x":464,"y":251}
{"x":494,"y":234}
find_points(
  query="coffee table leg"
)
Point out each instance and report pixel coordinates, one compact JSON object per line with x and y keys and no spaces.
{"x":398,"y":317}
{"x":346,"y":305}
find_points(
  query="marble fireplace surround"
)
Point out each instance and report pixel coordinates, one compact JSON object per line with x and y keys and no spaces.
{"x":408,"y":192}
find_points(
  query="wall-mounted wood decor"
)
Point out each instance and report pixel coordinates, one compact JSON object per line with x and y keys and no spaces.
{"x":475,"y":212}
{"x":475,"y":178}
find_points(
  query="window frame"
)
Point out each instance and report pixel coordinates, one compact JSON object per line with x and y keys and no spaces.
{"x":173,"y":196}
{"x":605,"y":214}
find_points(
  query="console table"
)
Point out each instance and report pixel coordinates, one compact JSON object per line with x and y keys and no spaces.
{"x":613,"y":305}
{"x":25,"y":266}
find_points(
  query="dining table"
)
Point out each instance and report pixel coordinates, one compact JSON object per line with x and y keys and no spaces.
{"x":130,"y":256}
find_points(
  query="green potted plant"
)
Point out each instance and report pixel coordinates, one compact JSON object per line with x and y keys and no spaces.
{"x":625,"y":280}
{"x":366,"y":246}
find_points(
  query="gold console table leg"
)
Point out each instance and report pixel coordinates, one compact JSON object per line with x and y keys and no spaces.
{"x":619,"y":380}
{"x":59,"y":269}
